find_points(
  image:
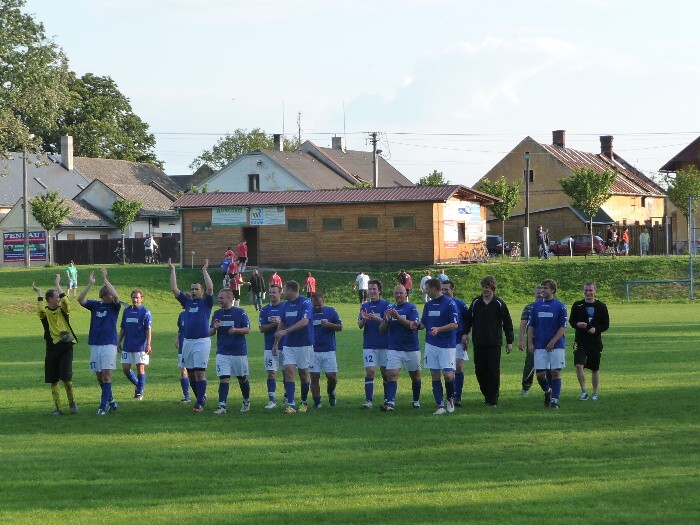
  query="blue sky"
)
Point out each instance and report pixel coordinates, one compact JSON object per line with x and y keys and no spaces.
{"x":449,"y":85}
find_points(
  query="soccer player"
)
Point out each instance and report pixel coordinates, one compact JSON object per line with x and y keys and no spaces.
{"x":326,"y":322}
{"x":184,"y":378}
{"x":447,"y":288}
{"x":297,"y":352}
{"x":440,"y":322}
{"x":545,"y":337}
{"x":361,"y":285}
{"x":102,"y":337}
{"x":242,"y":253}
{"x":374,"y":343}
{"x":58,"y":364}
{"x":72,"y":273}
{"x":231,"y":325}
{"x":590,"y":319}
{"x":196,"y":344}
{"x":269,"y":320}
{"x":487,"y":319}
{"x":400,"y":323}
{"x":135,"y":331}
{"x":310,"y":284}
{"x":529,"y":366}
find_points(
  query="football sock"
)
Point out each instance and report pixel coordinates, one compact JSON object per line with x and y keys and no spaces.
{"x":450,"y":388}
{"x":106,"y":395}
{"x":459,"y":384}
{"x":223,"y":393}
{"x":384,"y":386}
{"x":131,"y":377}
{"x":317,"y":400}
{"x":437,"y":392}
{"x":245,"y":389}
{"x":391,"y":387}
{"x":369,"y":388}
{"x":289,"y":387}
{"x":141,"y":383}
{"x":56,"y":395}
{"x":68,"y":385}
{"x":201,"y":391}
{"x":193,"y":385}
{"x":185,"y":384}
{"x":271,"y":388}
{"x":556,"y":388}
{"x":305,"y":391}
{"x":415,"y":385}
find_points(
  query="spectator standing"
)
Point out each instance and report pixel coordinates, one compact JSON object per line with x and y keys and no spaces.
{"x":625,"y":241}
{"x":275,"y":279}
{"x":644,"y":243}
{"x":361,"y":284}
{"x":309,"y":284}
{"x":242,"y":253}
{"x":423,"y":280}
{"x":72,"y":273}
{"x":257,"y":288}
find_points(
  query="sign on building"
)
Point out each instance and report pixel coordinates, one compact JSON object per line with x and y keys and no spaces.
{"x":13,"y":246}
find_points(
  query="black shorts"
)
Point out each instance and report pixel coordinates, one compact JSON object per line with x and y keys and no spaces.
{"x":236,"y":294}
{"x":588,"y":355}
{"x":58,"y":363}
{"x":243,"y":259}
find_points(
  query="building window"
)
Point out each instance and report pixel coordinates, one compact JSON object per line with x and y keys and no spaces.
{"x":138,"y":235}
{"x":368,"y":223}
{"x":155,"y":223}
{"x":253,"y":182}
{"x":405,"y":221}
{"x":204,"y":226}
{"x":103,"y":236}
{"x":332,"y":223}
{"x":461,"y":232}
{"x":297,"y":225}
{"x":71,"y":236}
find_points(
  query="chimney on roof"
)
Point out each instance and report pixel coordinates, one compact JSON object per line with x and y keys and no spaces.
{"x":558,"y":138}
{"x":67,"y":152}
{"x":606,"y":148}
{"x":278,"y":142}
{"x":338,"y":143}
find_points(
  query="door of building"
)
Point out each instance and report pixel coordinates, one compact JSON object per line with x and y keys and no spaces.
{"x":251,"y":235}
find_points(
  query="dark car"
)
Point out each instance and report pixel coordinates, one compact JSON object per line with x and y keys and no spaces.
{"x":494,"y":245}
{"x":579,"y":244}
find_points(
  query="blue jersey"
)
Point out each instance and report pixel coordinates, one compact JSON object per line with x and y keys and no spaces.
{"x":324,"y":338}
{"x":462,"y":310}
{"x":231,"y":344}
{"x":197,"y":312}
{"x":400,"y":337}
{"x":294,"y":311}
{"x":136,"y":321}
{"x":439,"y":312}
{"x":371,"y":336}
{"x":266,"y":312}
{"x":180,"y":330}
{"x":103,"y":322}
{"x":547,"y":317}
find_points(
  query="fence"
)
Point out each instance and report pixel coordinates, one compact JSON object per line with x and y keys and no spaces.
{"x":102,"y":251}
{"x":657,"y":237}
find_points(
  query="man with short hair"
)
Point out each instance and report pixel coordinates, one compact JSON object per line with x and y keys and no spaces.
{"x":257,"y":288}
{"x":442,"y":277}
{"x":310,"y":284}
{"x":231,"y":325}
{"x":440,"y":322}
{"x":529,"y":366}
{"x":326,"y":322}
{"x":448,"y":289}
{"x":361,"y":285}
{"x":590,"y":318}
{"x":72,"y":273}
{"x":545,"y":337}
{"x":644,"y":243}
{"x":400,"y":323}
{"x":269,"y":320}
{"x":196,"y":343}
{"x":275,"y":279}
{"x":487,"y":319}
{"x":242,"y":253}
{"x":296,"y":329}
{"x":135,"y":331}
{"x":374,"y":342}
{"x":149,"y":248}
{"x":102,"y":337}
{"x":423,"y":280}
{"x":58,"y":364}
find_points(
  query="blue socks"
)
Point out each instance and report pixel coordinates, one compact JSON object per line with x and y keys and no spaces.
{"x":369,"y":388}
{"x":245,"y":389}
{"x":391,"y":387}
{"x":438,"y":393}
{"x":450,"y":388}
{"x":223,"y":393}
{"x":459,"y":384}
{"x":415,"y":386}
{"x":201,"y":389}
{"x":185,"y":384}
{"x":106,"y":395}
{"x":271,"y":388}
{"x":131,"y":377}
{"x":556,"y":388}
{"x":289,"y":388}
{"x":141,"y":383}
{"x":305,"y":391}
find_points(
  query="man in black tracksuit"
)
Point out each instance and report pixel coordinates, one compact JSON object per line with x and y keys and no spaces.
{"x":488,"y":317}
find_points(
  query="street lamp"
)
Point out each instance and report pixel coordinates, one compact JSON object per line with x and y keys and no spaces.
{"x":526,"y":230}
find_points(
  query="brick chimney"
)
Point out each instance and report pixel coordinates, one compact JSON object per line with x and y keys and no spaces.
{"x":67,"y":152}
{"x":558,"y":138}
{"x":278,"y":142}
{"x":338,"y":143}
{"x":606,"y":148}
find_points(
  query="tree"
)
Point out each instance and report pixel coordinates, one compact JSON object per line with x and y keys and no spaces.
{"x":588,"y":191}
{"x":233,"y":145}
{"x":685,"y":183}
{"x":34,"y":79}
{"x":124,"y":213}
{"x":49,"y":210}
{"x":510,"y":198}
{"x":436,"y":178}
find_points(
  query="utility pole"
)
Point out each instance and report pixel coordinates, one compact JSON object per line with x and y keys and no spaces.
{"x":299,"y":126}
{"x":25,"y":199}
{"x":375,"y":160}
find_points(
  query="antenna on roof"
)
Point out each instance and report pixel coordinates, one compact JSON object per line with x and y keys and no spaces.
{"x":344,"y":132}
{"x":299,"y":126}
{"x":283,"y":117}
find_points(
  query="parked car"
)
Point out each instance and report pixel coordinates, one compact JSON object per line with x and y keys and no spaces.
{"x":494,"y":245}
{"x":580,"y":244}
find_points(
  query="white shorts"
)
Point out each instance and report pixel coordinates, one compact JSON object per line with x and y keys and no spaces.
{"x":272,"y":362}
{"x":437,"y":358}
{"x":180,"y":364}
{"x":374,"y":357}
{"x":552,"y":360}
{"x":460,"y":353}
{"x":232,"y":365}
{"x":324,"y":362}
{"x":103,"y":357}
{"x":195,"y":353}
{"x":135,"y":358}
{"x":73,"y":284}
{"x":299,"y":356}
{"x":410,"y":361}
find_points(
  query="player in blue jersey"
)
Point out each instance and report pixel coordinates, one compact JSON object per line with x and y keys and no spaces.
{"x":440,"y":322}
{"x":231,"y":325}
{"x":102,"y":337}
{"x":297,"y":330}
{"x":196,"y":344}
{"x":270,"y":316}
{"x":184,"y":378}
{"x":135,"y":332}
{"x":326,"y":323}
{"x":447,"y":288}
{"x":545,"y":337}
{"x":374,"y":343}
{"x":529,"y":366}
{"x":400,"y":323}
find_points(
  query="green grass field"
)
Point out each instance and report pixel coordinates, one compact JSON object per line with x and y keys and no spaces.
{"x":631,"y":457}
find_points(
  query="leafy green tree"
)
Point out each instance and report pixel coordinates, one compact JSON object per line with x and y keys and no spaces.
{"x":436,"y":178}
{"x":685,"y":183}
{"x":229,"y":147}
{"x":124,"y":213}
{"x":34,"y":80}
{"x":510,"y":198}
{"x":49,"y":210}
{"x":589,"y":190}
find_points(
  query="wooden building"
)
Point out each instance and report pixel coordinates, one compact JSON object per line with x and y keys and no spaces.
{"x":419,"y":224}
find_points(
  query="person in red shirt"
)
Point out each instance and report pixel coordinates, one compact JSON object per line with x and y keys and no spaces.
{"x":242,"y":253}
{"x":275,"y":279}
{"x":235,"y":284}
{"x":309,"y":284}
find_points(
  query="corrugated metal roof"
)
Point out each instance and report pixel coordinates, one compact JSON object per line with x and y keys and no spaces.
{"x":339,"y":196}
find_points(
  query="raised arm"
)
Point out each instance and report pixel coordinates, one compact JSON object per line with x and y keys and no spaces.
{"x":112,"y":291}
{"x":82,"y":297}
{"x":208,"y":285}
{"x":173,"y":279}
{"x":57,"y":284}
